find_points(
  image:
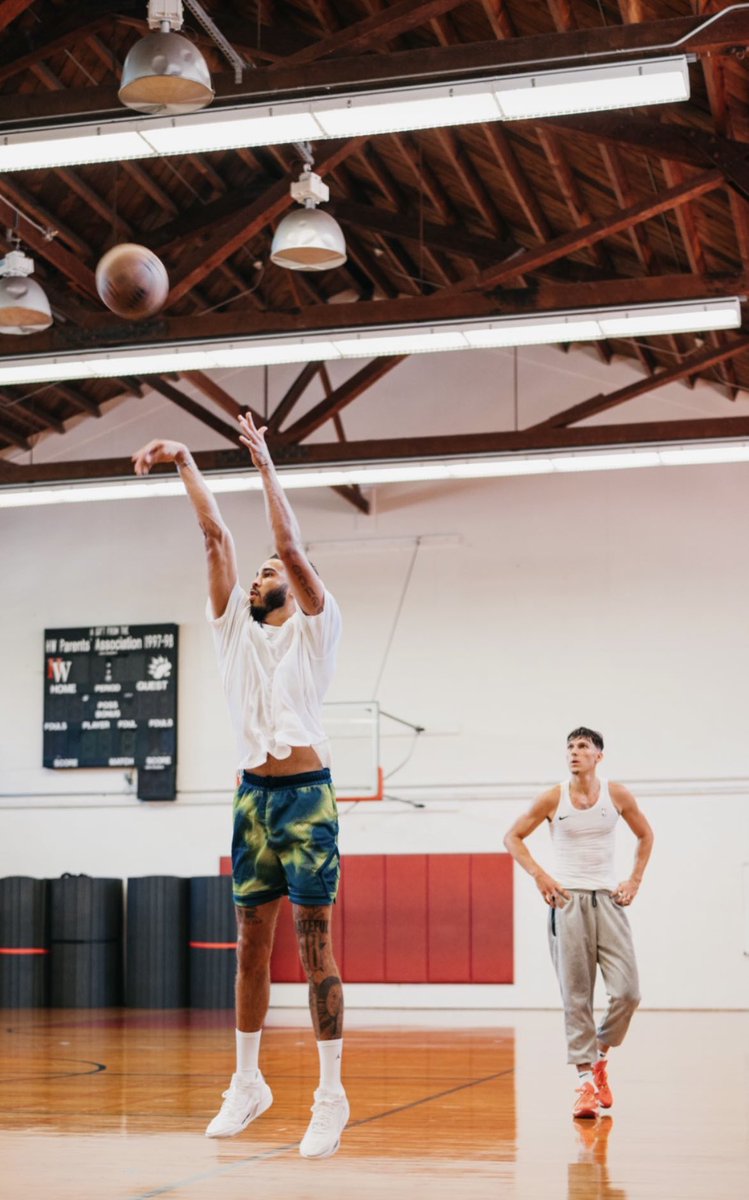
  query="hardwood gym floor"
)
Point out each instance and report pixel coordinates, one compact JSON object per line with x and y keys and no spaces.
{"x":111,"y":1105}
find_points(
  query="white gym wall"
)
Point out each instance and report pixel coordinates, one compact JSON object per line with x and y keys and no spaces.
{"x":535,"y":604}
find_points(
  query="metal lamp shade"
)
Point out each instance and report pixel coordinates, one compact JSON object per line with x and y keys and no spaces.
{"x":308,"y":240}
{"x":24,"y":308}
{"x":164,"y":73}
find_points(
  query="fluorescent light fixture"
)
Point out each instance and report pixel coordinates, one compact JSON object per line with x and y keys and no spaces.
{"x":591,"y":89}
{"x":461,"y":102}
{"x":377,"y":474}
{"x":580,"y":326}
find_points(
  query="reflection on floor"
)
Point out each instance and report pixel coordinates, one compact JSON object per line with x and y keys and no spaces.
{"x":111,"y":1105}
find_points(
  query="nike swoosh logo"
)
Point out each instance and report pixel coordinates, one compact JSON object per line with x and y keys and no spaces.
{"x":565,"y":818}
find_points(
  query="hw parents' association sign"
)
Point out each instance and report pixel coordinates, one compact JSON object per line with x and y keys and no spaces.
{"x":110,"y":700}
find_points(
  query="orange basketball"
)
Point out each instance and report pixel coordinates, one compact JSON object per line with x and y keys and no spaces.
{"x":132,"y":281}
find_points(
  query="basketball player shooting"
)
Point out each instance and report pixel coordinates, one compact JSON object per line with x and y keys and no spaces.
{"x":587,"y":922}
{"x":276,"y":649}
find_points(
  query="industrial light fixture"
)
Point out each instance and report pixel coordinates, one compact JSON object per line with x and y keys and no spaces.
{"x":164,"y":72}
{"x":24,"y":308}
{"x":459,"y":102}
{"x":331,"y":345}
{"x":308,"y":239}
{"x":562,"y":462}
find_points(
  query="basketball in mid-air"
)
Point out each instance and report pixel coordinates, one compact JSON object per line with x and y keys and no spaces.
{"x":132,"y":281}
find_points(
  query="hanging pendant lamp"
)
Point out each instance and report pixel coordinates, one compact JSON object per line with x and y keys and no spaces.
{"x":308,"y":239}
{"x":164,"y":72}
{"x":24,"y":308}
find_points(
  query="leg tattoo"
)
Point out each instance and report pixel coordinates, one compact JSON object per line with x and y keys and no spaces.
{"x":325,"y":990}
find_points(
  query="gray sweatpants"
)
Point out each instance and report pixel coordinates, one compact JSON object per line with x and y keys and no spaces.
{"x":592,"y":930}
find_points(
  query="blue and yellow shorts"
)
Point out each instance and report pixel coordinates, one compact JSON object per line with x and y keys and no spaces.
{"x":285,"y":839}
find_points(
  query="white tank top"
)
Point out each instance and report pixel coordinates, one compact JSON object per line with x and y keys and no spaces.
{"x":583,"y":840}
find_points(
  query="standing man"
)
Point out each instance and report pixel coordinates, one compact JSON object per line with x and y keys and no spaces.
{"x":587,"y":921}
{"x":276,"y":649}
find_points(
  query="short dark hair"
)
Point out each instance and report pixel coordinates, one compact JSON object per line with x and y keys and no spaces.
{"x":582,"y":731}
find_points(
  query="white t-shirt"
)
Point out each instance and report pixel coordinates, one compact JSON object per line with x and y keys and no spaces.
{"x":275,"y":677}
{"x":584,"y":842}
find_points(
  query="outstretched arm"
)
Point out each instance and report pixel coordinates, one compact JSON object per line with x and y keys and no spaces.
{"x":304,"y":581}
{"x":219,"y":544}
{"x":640,"y":826}
{"x":543,"y":809}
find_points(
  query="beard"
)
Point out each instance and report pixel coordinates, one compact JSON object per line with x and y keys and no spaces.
{"x":275,"y":598}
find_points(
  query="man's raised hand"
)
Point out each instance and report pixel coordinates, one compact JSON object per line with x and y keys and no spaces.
{"x":157,"y":451}
{"x":254,"y":439}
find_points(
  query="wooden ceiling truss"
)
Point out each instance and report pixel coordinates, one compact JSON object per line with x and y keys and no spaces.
{"x":444,"y":224}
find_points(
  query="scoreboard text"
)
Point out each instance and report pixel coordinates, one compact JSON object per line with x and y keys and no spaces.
{"x":110,"y":697}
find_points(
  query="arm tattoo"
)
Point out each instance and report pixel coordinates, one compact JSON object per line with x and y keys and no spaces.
{"x":306,"y":586}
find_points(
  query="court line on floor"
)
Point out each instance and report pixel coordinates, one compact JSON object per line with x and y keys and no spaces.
{"x":216,"y":1172}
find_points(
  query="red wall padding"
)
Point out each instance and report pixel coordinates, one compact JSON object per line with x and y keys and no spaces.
{"x":415,"y":918}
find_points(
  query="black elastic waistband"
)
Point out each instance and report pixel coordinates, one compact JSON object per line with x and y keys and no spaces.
{"x":275,"y":782}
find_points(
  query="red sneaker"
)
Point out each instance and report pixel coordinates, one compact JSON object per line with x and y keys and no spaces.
{"x":586,"y":1104}
{"x":602,"y":1083}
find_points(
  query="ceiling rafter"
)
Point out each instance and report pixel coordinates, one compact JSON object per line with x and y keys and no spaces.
{"x":391,"y":22}
{"x":10,"y":9}
{"x":587,"y":235}
{"x":546,"y":295}
{"x":700,"y":359}
{"x":350,"y":492}
{"x":32,"y":413}
{"x":157,"y":384}
{"x":579,"y":437}
{"x":293,"y":393}
{"x":421,"y":210}
{"x":344,"y":394}
{"x":686,"y":219}
{"x":403,"y":67}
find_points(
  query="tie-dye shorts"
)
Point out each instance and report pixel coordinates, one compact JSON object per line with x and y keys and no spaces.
{"x":285,"y":839}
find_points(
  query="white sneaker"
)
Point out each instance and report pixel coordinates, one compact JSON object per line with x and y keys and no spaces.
{"x":243,"y":1102}
{"x":330,"y":1112}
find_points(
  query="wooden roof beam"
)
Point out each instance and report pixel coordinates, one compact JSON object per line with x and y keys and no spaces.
{"x":157,"y":384}
{"x":587,"y":235}
{"x":639,"y":433}
{"x":32,"y":413}
{"x":675,"y":142}
{"x":338,"y":399}
{"x":350,"y":492}
{"x":11,"y":435}
{"x":447,"y":239}
{"x":700,"y":360}
{"x":546,"y":295}
{"x":690,"y":236}
{"x":77,"y":398}
{"x":287,"y":78}
{"x":292,"y":394}
{"x":393,"y":21}
{"x":471,"y":181}
{"x":10,"y":9}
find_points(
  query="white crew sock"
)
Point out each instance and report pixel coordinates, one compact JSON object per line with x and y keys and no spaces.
{"x":585,"y":1077}
{"x":248,"y":1050}
{"x":331,"y":1054}
{"x":602,"y":1055}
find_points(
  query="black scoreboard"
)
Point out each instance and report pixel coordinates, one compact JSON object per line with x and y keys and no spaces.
{"x":110,"y":700}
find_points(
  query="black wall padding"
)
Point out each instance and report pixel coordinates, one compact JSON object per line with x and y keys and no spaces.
{"x":85,"y":936}
{"x":23,"y":928}
{"x":156,"y":960}
{"x":213,"y":936}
